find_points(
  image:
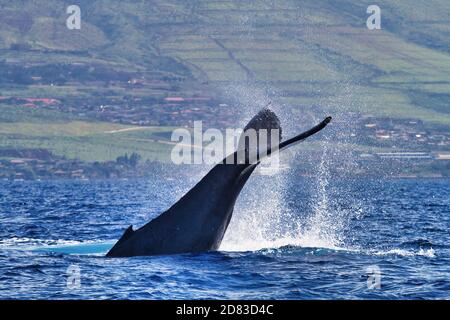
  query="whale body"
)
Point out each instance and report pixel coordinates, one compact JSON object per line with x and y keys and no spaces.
{"x":198,"y":221}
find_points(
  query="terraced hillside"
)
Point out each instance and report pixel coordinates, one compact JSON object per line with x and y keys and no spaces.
{"x":310,"y":49}
{"x":314,"y":56}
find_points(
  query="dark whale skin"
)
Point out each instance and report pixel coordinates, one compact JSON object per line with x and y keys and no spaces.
{"x":198,"y":221}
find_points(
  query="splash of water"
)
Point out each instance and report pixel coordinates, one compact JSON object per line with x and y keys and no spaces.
{"x":264,"y":221}
{"x":325,"y":226}
{"x":257,"y":222}
{"x":261,"y":218}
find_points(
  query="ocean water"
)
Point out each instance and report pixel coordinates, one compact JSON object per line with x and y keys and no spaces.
{"x":291,"y":237}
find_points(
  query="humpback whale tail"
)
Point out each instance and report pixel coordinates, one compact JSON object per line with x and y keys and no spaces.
{"x":198,"y":221}
{"x":264,"y":119}
{"x":267,"y":131}
{"x":267,"y":127}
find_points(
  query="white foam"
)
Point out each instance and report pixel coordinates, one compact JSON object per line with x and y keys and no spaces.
{"x":27,"y":242}
{"x":430,"y":253}
{"x":257,"y":244}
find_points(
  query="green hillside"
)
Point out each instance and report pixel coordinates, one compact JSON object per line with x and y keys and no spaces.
{"x":314,"y":54}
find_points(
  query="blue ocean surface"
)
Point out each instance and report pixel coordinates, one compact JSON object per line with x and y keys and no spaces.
{"x":291,"y":237}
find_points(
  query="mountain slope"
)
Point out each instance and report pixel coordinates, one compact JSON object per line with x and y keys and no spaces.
{"x":310,"y":57}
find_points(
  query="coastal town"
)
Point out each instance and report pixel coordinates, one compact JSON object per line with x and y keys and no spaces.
{"x":95,"y":93}
{"x":428,"y":158}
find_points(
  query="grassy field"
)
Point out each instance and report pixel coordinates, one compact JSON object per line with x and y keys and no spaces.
{"x":22,"y":127}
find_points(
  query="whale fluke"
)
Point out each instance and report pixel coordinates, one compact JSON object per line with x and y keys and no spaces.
{"x":198,"y":221}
